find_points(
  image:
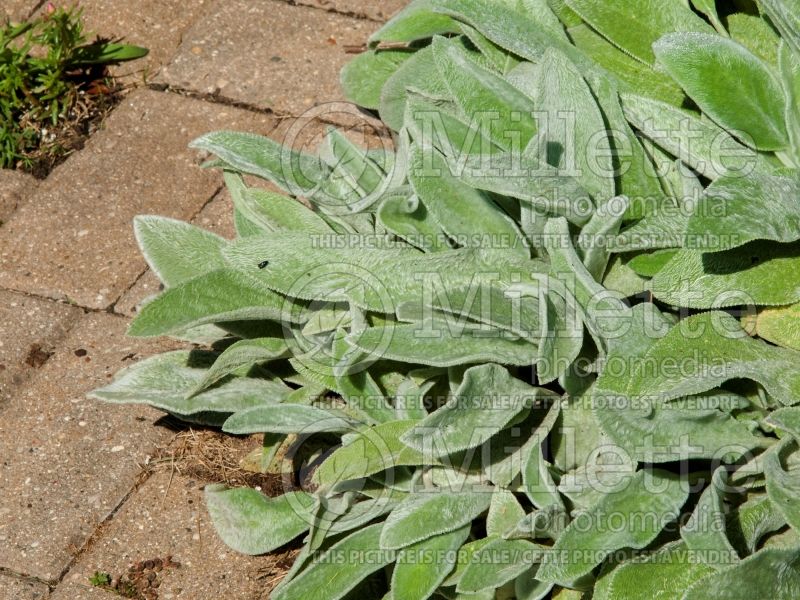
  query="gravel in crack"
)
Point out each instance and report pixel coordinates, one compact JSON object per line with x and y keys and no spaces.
{"x":37,"y":356}
{"x":142,"y":579}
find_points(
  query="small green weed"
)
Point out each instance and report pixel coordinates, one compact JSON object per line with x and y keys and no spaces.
{"x":99,"y":579}
{"x":53,"y":84}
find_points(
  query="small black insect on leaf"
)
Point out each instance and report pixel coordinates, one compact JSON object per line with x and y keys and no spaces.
{"x":263,"y":264}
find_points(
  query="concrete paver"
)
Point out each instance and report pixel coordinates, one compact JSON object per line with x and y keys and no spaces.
{"x":17,"y":10}
{"x":68,"y":461}
{"x":81,"y":591}
{"x":30,"y":328}
{"x":73,"y":239}
{"x":369,"y":9}
{"x":12,"y":588}
{"x":167,"y":516}
{"x":15,"y":186}
{"x":155,"y":24}
{"x":268,"y":54}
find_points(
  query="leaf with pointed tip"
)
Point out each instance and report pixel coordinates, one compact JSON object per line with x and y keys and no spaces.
{"x":679,"y":430}
{"x":537,"y":480}
{"x":440,"y":343}
{"x":758,"y":273}
{"x":783,"y":484}
{"x":365,"y":75}
{"x":531,"y":181}
{"x":665,"y":227}
{"x":479,"y":92}
{"x":418,"y":73}
{"x":487,"y":400}
{"x":465,"y":556}
{"x":602,"y":311}
{"x":604,"y":224}
{"x":497,"y":563}
{"x":416,"y":21}
{"x":527,"y":587}
{"x":709,"y":9}
{"x":498,"y":59}
{"x":736,"y":210}
{"x":505,"y":512}
{"x":212,"y":298}
{"x":635,"y":25}
{"x":704,"y":146}
{"x":704,"y":532}
{"x":547,"y":522}
{"x":373,"y":450}
{"x":432,"y":512}
{"x":634,"y":73}
{"x":251,"y":523}
{"x":663,"y":574}
{"x":572,"y":126}
{"x":177,"y":251}
{"x":755,"y":33}
{"x":785,"y":16}
{"x":367,"y":510}
{"x":332,"y":575}
{"x":511,"y":26}
{"x":353,"y":167}
{"x":648,"y":499}
{"x":466,"y":214}
{"x":243,"y":353}
{"x":287,"y":419}
{"x":357,"y":386}
{"x":276,"y":212}
{"x":421,"y":567}
{"x":294,"y":172}
{"x":372,"y":276}
{"x":711,"y":69}
{"x":163,"y":381}
{"x":770,"y":573}
{"x":720,"y":350}
{"x":619,"y":277}
{"x":648,"y":265}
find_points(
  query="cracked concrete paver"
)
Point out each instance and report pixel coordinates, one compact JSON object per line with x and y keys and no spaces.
{"x":167,"y":515}
{"x":68,"y":461}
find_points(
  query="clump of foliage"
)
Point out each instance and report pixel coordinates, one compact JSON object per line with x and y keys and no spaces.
{"x":100,"y":579}
{"x":52,"y":82}
{"x":548,"y":346}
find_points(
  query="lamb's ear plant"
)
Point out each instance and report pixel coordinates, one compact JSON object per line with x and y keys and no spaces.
{"x":548,"y":345}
